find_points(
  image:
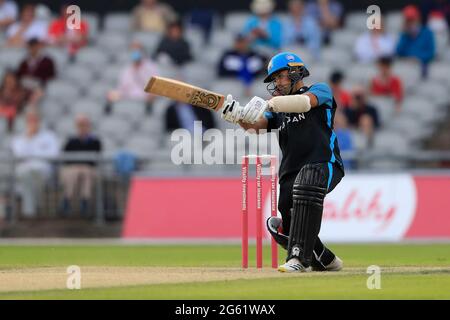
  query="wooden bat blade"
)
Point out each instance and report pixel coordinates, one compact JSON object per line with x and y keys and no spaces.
{"x":184,"y":92}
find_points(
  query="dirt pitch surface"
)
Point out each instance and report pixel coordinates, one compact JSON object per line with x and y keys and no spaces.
{"x":33,"y":279}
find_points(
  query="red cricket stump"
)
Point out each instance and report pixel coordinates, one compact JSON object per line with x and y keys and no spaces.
{"x":259,"y":214}
{"x":273,"y":206}
{"x":244,"y":212}
{"x":259,"y":209}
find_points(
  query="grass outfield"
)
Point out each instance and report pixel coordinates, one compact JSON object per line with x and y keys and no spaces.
{"x":408,"y":271}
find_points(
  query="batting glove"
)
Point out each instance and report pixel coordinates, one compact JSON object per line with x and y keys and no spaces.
{"x":254,"y":110}
{"x":232,"y":110}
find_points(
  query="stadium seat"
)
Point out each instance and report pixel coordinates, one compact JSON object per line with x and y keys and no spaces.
{"x":98,"y":91}
{"x":140,"y":145}
{"x":150,"y":127}
{"x":111,"y":74}
{"x":117,"y":22}
{"x":65,"y":127}
{"x":235,"y":21}
{"x":385,"y":107}
{"x":93,"y":23}
{"x":361,"y":73}
{"x":408,"y":71}
{"x":226,"y":86}
{"x":196,"y":74}
{"x":93,"y":57}
{"x":88,"y":107}
{"x":440,"y":71}
{"x":210,"y":56}
{"x":359,"y":140}
{"x":390,"y":141}
{"x":222,"y":39}
{"x":356,"y":21}
{"x":60,"y":90}
{"x":79,"y":74}
{"x":434,"y":90}
{"x":195,"y":38}
{"x":52,"y":110}
{"x":59,"y":57}
{"x":344,"y":39}
{"x":113,"y":41}
{"x":115,"y":128}
{"x":394,"y":22}
{"x":336,"y":57}
{"x":129,"y":110}
{"x":149,"y":40}
{"x":11,"y":57}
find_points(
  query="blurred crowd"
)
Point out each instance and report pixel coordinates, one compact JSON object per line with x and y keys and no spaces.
{"x":307,"y":24}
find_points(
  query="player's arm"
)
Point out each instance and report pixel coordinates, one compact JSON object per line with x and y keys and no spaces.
{"x":319,"y":94}
{"x":261,"y":124}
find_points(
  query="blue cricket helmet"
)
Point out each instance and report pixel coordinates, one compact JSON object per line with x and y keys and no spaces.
{"x":284,"y":61}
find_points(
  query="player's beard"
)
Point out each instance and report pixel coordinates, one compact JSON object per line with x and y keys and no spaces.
{"x":283,"y":90}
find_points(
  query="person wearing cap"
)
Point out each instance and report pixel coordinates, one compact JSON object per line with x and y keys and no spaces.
{"x":263,"y":30}
{"x":416,"y":41}
{"x":311,"y":165}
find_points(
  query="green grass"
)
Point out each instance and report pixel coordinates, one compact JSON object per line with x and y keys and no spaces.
{"x":401,"y":285}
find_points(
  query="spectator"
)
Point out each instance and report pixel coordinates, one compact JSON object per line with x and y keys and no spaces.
{"x":436,"y":15}
{"x":373,"y":44}
{"x":152,"y":16}
{"x":27,"y":28}
{"x":8,"y":13}
{"x":241,"y":62}
{"x":344,"y":137}
{"x":83,"y":172}
{"x":387,"y":84}
{"x":14,"y":97}
{"x":302,"y":29}
{"x":37,"y":68}
{"x":33,"y":151}
{"x":181,"y":115}
{"x":71,"y":39}
{"x":173,"y":48}
{"x":361,"y":115}
{"x":202,"y":18}
{"x":329,"y":13}
{"x":134,"y":77}
{"x":416,"y":40}
{"x":263,"y":30}
{"x":342,"y":96}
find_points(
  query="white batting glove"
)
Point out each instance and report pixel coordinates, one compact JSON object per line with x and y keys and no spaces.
{"x":232,"y":111}
{"x":254,"y":110}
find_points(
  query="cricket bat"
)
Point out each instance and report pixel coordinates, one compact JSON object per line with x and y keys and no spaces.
{"x":184,"y":92}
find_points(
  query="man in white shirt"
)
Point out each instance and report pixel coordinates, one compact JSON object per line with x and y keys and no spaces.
{"x":27,"y":28}
{"x":8,"y":13}
{"x":374,"y":44}
{"x":33,"y":151}
{"x":134,"y":77}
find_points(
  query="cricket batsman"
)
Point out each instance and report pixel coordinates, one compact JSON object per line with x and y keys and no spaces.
{"x":311,"y":165}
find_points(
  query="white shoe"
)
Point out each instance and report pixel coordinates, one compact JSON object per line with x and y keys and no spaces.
{"x":293,"y":265}
{"x":336,"y":265}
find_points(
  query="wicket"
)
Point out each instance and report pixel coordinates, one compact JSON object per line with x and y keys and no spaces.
{"x":259,"y":211}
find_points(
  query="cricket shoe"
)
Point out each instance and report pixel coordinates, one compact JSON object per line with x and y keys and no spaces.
{"x":336,"y":265}
{"x":293,"y":265}
{"x":319,"y":263}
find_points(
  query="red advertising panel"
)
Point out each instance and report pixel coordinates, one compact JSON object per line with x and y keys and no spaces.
{"x":364,"y":207}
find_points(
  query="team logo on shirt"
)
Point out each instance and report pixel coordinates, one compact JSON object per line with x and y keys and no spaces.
{"x":292,"y":118}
